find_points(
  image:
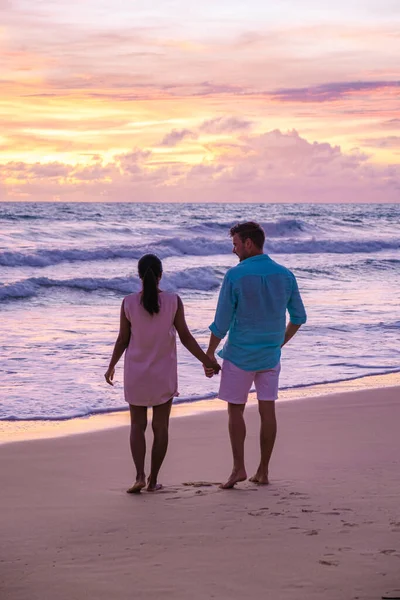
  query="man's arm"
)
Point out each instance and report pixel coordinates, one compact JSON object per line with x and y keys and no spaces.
{"x":291,"y":329}
{"x":296,"y":311}
{"x":213,"y":344}
{"x":223,"y":317}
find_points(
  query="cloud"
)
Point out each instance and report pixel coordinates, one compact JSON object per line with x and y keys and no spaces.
{"x":225,"y":125}
{"x":391,"y":124}
{"x":391,"y":141}
{"x":219,"y":125}
{"x":177,"y":135}
{"x":275,"y":166}
{"x":329,"y":92}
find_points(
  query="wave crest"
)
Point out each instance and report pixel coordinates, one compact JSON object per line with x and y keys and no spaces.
{"x":197,"y":246}
{"x":199,"y":278}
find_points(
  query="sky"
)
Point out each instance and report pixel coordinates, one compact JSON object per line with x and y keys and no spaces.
{"x":211,"y":101}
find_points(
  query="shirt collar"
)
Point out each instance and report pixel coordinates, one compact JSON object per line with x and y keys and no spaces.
{"x":255,"y":258}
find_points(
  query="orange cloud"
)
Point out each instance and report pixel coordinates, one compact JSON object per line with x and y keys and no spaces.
{"x":274,"y":166}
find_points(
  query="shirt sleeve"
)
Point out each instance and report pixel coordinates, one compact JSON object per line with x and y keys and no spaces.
{"x":226,"y":308}
{"x":295,"y":305}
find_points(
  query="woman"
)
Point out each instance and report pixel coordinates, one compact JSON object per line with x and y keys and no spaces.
{"x":149,"y":321}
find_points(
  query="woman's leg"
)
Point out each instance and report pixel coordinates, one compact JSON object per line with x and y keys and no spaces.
{"x":138,"y":445}
{"x":160,"y":426}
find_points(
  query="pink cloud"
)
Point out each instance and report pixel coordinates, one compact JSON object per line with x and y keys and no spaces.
{"x":391,"y":141}
{"x":392,"y":124}
{"x":225,"y":125}
{"x":272,"y":167}
{"x":329,"y":92}
{"x":177,"y":135}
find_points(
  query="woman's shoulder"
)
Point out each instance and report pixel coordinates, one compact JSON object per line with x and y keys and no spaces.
{"x":169,"y":296}
{"x":169,"y":299}
{"x":131,"y":298}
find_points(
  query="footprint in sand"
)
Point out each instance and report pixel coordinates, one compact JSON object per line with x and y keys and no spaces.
{"x":329,"y":563}
{"x":258,"y":513}
{"x":200,"y":483}
{"x":387,"y":552}
{"x":299,"y":495}
{"x":312,"y":532}
{"x":186,"y":491}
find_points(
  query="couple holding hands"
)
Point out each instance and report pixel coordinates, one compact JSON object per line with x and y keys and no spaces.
{"x":252,"y":305}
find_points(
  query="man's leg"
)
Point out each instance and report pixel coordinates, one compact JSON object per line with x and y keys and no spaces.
{"x":237,"y":434}
{"x":267,"y":439}
{"x":138,"y":445}
{"x":160,"y":426}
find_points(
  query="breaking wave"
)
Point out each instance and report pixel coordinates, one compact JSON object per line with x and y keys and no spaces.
{"x":197,"y":246}
{"x":199,"y":278}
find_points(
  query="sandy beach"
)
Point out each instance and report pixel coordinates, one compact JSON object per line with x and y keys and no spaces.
{"x":327,"y":527}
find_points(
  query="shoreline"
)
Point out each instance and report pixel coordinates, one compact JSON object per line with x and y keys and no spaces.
{"x":22,"y":431}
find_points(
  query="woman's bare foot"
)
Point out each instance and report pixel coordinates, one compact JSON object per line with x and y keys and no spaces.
{"x":260,"y":479}
{"x":153,"y":486}
{"x":235,"y":477}
{"x":136,"y":487}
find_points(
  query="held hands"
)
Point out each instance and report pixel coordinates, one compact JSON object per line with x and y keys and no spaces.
{"x":109,"y":375}
{"x":211,"y":367}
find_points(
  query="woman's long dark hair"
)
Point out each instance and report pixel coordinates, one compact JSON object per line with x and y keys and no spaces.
{"x":150,"y":270}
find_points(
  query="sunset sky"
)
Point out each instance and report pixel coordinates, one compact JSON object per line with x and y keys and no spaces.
{"x":200,"y":101}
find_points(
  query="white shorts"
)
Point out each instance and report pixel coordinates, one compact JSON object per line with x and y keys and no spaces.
{"x":236,"y":383}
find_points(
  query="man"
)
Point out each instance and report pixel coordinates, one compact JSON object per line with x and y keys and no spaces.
{"x":252,"y":307}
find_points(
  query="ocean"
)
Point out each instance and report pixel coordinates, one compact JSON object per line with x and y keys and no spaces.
{"x":65,"y":268}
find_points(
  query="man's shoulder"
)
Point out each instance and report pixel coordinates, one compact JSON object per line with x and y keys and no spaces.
{"x":231,"y":272}
{"x":261,"y":267}
{"x":278,"y":268}
{"x":235,"y":272}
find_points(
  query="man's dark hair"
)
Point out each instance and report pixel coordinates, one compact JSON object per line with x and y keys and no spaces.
{"x":249,"y":230}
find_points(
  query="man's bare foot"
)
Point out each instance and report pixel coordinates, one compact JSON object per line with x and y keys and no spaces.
{"x":236,"y":477}
{"x":260,"y":479}
{"x":136,"y":487}
{"x":153,"y":487}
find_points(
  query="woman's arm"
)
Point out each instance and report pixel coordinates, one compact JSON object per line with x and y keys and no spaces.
{"x":188,"y":340}
{"x":120,"y":345}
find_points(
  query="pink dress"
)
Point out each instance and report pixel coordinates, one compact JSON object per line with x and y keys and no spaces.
{"x":150,"y":369}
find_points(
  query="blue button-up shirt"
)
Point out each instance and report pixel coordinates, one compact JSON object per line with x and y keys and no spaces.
{"x":252,"y":306}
